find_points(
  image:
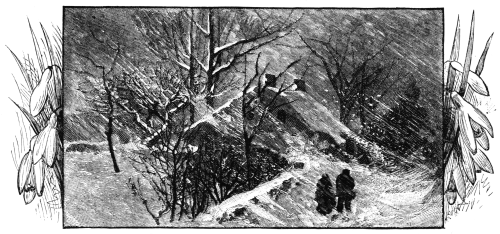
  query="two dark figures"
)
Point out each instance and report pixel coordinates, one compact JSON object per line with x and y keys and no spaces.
{"x":325,"y":197}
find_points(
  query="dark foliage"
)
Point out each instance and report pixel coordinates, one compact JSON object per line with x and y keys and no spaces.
{"x":219,"y":171}
{"x":265,"y":166}
{"x":83,"y":147}
{"x":407,"y":117}
{"x":207,"y":175}
{"x":403,"y":128}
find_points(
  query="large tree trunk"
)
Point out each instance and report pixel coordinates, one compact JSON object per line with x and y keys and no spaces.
{"x":192,"y":62}
{"x":211,"y":66}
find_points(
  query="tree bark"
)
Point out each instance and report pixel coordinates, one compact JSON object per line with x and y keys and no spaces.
{"x":174,"y":190}
{"x":192,"y":62}
{"x":248,"y":149}
{"x":344,"y":112}
{"x":109,"y":133}
{"x":211,"y":66}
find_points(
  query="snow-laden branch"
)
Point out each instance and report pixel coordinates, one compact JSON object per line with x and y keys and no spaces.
{"x":137,"y":119}
{"x":204,"y":31}
{"x":225,"y":66}
{"x":220,"y":49}
{"x":183,"y":65}
{"x":203,"y":66}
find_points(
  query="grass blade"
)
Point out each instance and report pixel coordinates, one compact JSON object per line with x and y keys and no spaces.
{"x":456,"y":43}
{"x":468,"y":59}
{"x":29,"y":117}
{"x":39,"y":56}
{"x":480,"y":64}
{"x":21,"y":67}
{"x":48,"y":45}
{"x":448,"y":114}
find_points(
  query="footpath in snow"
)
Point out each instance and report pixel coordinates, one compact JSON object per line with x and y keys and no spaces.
{"x":383,"y":200}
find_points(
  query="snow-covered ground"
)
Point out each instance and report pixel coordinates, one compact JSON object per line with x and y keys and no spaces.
{"x":383,"y":200}
{"x":96,"y":196}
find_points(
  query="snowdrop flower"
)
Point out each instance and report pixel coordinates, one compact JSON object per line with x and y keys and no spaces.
{"x":465,"y":158}
{"x":465,"y":113}
{"x":44,"y":147}
{"x":48,"y":90}
{"x":26,"y":183}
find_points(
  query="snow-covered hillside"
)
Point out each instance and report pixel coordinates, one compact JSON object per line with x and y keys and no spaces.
{"x":306,"y":132}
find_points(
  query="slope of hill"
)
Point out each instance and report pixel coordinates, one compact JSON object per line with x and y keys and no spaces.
{"x":383,"y":200}
{"x":416,"y":45}
{"x":94,"y":196}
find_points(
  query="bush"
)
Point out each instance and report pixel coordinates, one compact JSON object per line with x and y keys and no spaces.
{"x":207,"y":174}
{"x":83,"y":147}
{"x":265,"y":165}
{"x":401,"y":129}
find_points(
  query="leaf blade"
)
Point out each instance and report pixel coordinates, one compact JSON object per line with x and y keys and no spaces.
{"x":33,"y":123}
{"x":480,"y":63}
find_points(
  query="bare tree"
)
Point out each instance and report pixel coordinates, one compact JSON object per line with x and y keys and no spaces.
{"x":104,"y":102}
{"x":355,"y":69}
{"x":151,"y":101}
{"x":256,"y":106}
{"x":205,"y":43}
{"x":165,"y":168}
{"x":218,"y":168}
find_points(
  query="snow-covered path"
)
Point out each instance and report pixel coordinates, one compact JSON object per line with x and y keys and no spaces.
{"x":383,"y":200}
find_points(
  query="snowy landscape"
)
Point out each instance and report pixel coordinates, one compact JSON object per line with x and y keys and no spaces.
{"x":212,"y":117}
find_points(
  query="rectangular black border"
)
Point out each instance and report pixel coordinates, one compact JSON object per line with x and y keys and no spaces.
{"x":277,"y":8}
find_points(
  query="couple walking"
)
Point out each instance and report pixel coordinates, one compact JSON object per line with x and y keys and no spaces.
{"x":326,"y":198}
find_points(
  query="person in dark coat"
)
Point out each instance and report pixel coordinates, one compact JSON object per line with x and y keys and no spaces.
{"x":324,"y":195}
{"x":345,"y":185}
